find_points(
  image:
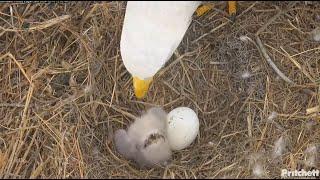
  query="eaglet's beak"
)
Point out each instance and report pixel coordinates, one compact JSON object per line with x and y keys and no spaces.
{"x":141,"y":87}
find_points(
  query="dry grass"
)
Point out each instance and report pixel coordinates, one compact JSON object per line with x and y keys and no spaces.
{"x":64,"y":90}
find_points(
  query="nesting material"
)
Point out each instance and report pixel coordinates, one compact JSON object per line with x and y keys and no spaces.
{"x":3,"y":159}
{"x":246,"y":75}
{"x":279,"y":147}
{"x":257,"y":164}
{"x":49,"y":130}
{"x":272,"y":116}
{"x":258,"y":170}
{"x":311,"y":156}
{"x":245,"y":39}
{"x":315,"y":34}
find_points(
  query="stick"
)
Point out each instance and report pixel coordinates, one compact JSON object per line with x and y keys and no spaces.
{"x":270,"y":62}
{"x":11,"y":105}
{"x":313,"y":110}
{"x":264,"y":53}
{"x":274,"y":18}
{"x":298,"y":65}
{"x":213,"y":30}
{"x":18,"y":64}
{"x":41,"y":26}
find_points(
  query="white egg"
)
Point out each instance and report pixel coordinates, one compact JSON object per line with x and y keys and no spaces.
{"x":183,"y":127}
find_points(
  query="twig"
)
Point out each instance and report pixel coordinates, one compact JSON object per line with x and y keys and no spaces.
{"x":11,"y":105}
{"x":263,"y":49}
{"x":249,"y":121}
{"x":262,"y":28}
{"x":274,"y":18}
{"x":313,"y":110}
{"x":115,"y":80}
{"x":224,"y":169}
{"x":162,"y":71}
{"x":223,"y":24}
{"x":248,"y":9}
{"x":270,"y":62}
{"x":50,"y":22}
{"x":24,"y":120}
{"x":35,"y":173}
{"x":41,"y":26}
{"x":117,"y":109}
{"x":18,"y":64}
{"x":213,"y":30}
{"x":184,"y":69}
{"x":297,"y":65}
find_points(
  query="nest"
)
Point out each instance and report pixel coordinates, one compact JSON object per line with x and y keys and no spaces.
{"x":64,"y":91}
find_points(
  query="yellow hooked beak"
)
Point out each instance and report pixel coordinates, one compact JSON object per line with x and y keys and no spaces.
{"x":141,"y":87}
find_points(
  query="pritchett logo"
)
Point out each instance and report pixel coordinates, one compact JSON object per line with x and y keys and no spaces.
{"x":300,"y":173}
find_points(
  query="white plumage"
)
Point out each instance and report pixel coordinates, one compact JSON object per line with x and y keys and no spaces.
{"x":152,"y":31}
{"x":145,"y":141}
